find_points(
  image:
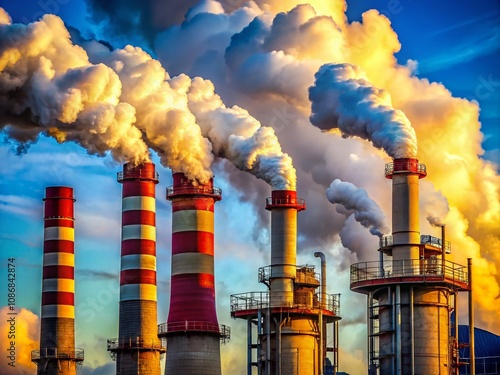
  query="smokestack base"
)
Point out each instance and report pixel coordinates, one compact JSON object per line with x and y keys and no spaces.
{"x":405,"y":166}
{"x":144,"y":172}
{"x":285,"y":199}
{"x":183,"y":186}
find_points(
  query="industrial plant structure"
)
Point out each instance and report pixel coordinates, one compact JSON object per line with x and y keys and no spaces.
{"x":412,"y":293}
{"x":192,"y":331}
{"x":57,"y":354}
{"x":137,"y":349}
{"x":286,"y":325}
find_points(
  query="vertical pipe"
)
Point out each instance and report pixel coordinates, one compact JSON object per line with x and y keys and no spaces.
{"x":455,"y":308}
{"x":57,"y":354}
{"x":259,"y":335}
{"x":322,"y":346}
{"x":321,"y":361}
{"x":336,"y":338}
{"x":268,"y":341}
{"x":369,"y":319}
{"x":412,"y":330}
{"x":249,"y":346}
{"x":398,"y":330}
{"x":319,"y":254}
{"x":443,"y":250}
{"x":472,"y":352}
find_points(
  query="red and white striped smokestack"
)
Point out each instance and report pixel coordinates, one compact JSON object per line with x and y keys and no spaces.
{"x":405,"y":174}
{"x":138,"y":348}
{"x":192,"y":330}
{"x":57,"y":354}
{"x":284,"y":206}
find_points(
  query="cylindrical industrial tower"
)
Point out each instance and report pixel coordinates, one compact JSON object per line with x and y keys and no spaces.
{"x":409,"y":297}
{"x":192,"y":331}
{"x":57,"y":354}
{"x":292,"y":317}
{"x":138,"y":348}
{"x":284,"y":206}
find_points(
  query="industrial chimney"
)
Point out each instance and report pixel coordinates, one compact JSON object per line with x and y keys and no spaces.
{"x":290,"y":319}
{"x":410,"y":296}
{"x":57,"y":354}
{"x":192,"y":331}
{"x":137,"y":349}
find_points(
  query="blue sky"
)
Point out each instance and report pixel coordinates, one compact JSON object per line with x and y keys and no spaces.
{"x":455,"y":43}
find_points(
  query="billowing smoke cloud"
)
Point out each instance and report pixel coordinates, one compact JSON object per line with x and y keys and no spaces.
{"x":343,"y":98}
{"x":123,"y":101}
{"x":268,"y":65}
{"x":366,"y":211}
{"x":238,"y":137}
{"x":25,"y":338}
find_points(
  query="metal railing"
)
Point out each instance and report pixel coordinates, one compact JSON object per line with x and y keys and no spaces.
{"x":484,"y":365}
{"x":194,"y":326}
{"x":430,"y":267}
{"x":298,"y":203}
{"x":405,"y":165}
{"x":425,"y":239}
{"x":202,"y":190}
{"x":140,"y":174}
{"x":261,"y":300}
{"x":303,"y":275}
{"x":134,"y":343}
{"x":74,"y":354}
{"x":436,"y":242}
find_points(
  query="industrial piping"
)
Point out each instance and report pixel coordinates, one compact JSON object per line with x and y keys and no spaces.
{"x":290,"y":318}
{"x":57,"y":354}
{"x":192,"y":330}
{"x":138,"y":348}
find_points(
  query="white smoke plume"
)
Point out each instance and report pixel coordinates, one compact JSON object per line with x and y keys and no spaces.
{"x":366,"y":211}
{"x":240,"y":138}
{"x":124,"y":102}
{"x":47,"y":86}
{"x":342,"y":97}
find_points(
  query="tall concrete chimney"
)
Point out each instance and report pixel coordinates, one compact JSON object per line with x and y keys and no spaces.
{"x":410,"y":297}
{"x":192,"y":331}
{"x":291,"y":318}
{"x":137,"y":349}
{"x":57,"y":354}
{"x":284,"y":206}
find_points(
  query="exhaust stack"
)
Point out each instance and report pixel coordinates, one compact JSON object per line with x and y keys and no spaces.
{"x":138,"y":349}
{"x":192,"y":331}
{"x":57,"y":354}
{"x":409,"y":298}
{"x":284,"y":206}
{"x":291,"y":318}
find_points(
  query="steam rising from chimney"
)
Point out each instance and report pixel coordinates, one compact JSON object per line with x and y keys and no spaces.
{"x":237,"y":136}
{"x":435,"y":221}
{"x":124,"y":102}
{"x":366,"y":210}
{"x":343,"y":98}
